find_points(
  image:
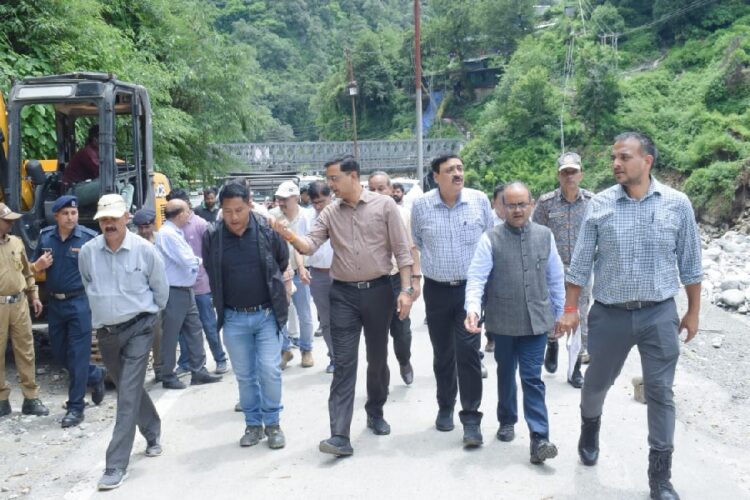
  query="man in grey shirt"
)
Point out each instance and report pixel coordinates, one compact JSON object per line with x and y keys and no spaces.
{"x":125,"y":281}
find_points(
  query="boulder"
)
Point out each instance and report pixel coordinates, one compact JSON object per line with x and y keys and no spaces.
{"x":732,"y":298}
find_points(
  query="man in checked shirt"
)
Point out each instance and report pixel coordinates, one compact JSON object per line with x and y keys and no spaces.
{"x":641,"y":239}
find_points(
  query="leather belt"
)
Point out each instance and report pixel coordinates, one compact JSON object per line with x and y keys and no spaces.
{"x":364,"y":285}
{"x":633,"y":305}
{"x":10,"y":299}
{"x":68,"y":295}
{"x":321,"y":269}
{"x":127,"y":324}
{"x":181,"y":287}
{"x":447,"y":284}
{"x":251,"y":309}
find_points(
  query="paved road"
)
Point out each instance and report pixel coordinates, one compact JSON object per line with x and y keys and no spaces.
{"x":203,"y":460}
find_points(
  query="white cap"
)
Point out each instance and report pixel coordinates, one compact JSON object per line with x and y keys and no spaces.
{"x":111,"y":205}
{"x":287,"y":189}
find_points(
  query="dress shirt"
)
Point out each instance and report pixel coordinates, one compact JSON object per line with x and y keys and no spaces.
{"x":180,"y":262}
{"x":193,"y":231}
{"x":323,"y":257}
{"x":447,"y":236}
{"x":481,"y":266}
{"x":406,"y":217}
{"x":300,"y":225}
{"x":639,"y":249}
{"x":563,"y":218}
{"x":363,"y":236}
{"x":123,"y":284}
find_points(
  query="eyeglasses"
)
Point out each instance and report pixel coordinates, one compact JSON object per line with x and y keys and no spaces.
{"x":517,"y":206}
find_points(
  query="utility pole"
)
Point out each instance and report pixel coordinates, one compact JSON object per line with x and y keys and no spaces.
{"x":353,"y":91}
{"x":583,"y":19}
{"x":418,"y":68}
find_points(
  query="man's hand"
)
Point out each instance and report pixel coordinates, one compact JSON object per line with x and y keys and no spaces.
{"x":37,"y":305}
{"x":304,"y":275}
{"x":282,"y":227}
{"x":567,"y":324}
{"x":471,"y":323}
{"x":403,"y":305}
{"x":43,"y":262}
{"x":690,"y":323}
{"x":417,"y":285}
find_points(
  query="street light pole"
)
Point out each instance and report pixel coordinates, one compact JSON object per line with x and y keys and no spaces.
{"x":353,"y":91}
{"x":418,"y":65}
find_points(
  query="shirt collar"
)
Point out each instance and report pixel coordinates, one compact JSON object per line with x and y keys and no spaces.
{"x":365,"y":196}
{"x":561,"y":196}
{"x":127,"y":243}
{"x":438,"y":200}
{"x":173,"y":225}
{"x":76,"y":233}
{"x":654,"y":187}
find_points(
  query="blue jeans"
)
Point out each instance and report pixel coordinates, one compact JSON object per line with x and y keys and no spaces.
{"x":526,"y":353}
{"x":302,"y":300}
{"x":253,"y":341}
{"x":208,"y":320}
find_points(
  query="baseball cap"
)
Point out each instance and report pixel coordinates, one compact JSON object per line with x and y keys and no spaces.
{"x":287,"y":189}
{"x":110,"y":205}
{"x":8,"y":214}
{"x":569,"y":160}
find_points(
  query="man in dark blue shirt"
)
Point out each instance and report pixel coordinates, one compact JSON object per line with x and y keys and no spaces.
{"x":68,"y":311}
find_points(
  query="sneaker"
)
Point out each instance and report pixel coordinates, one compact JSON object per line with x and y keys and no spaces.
{"x":286,"y":357}
{"x":276,"y":437}
{"x":181,"y":371}
{"x":541,"y":449}
{"x":153,"y":448}
{"x":330,"y":368}
{"x":34,"y":407}
{"x":112,"y":479}
{"x":307,"y":359}
{"x":253,"y":435}
{"x":221,"y":367}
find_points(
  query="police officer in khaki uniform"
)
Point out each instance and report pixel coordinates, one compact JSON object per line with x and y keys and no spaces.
{"x":17,"y":280}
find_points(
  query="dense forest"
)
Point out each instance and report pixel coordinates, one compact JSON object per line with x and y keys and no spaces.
{"x":572,"y":73}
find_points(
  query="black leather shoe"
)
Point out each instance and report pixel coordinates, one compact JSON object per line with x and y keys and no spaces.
{"x":506,"y":433}
{"x":336,"y":445}
{"x":378,"y":425}
{"x":550,"y":357}
{"x":407,"y":373}
{"x":172,"y":383}
{"x":444,"y":420}
{"x":71,"y":419}
{"x":203,"y":377}
{"x":472,"y":436}
{"x":97,"y":392}
{"x":541,"y":450}
{"x":659,"y":474}
{"x":576,"y":380}
{"x":5,"y":408}
{"x":34,"y":407}
{"x":588,"y":443}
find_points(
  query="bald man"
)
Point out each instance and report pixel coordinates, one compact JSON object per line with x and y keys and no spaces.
{"x":181,"y":313}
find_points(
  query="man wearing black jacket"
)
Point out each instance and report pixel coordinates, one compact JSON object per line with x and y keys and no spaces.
{"x":244,"y":259}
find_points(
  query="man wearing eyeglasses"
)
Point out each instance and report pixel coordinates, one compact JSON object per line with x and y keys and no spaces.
{"x":562,"y":211}
{"x":517,"y":267}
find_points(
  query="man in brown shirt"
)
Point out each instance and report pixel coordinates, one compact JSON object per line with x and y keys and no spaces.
{"x":17,"y":289}
{"x":365,"y":230}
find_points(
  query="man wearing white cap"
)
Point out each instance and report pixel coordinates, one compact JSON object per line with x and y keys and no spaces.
{"x":126,"y":284}
{"x":298,"y":218}
{"x":562,"y":211}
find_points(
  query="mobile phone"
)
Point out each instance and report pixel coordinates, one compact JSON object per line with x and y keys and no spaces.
{"x":47,"y":250}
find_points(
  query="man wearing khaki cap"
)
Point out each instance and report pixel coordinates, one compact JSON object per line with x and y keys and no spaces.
{"x":125,"y":281}
{"x":17,"y":280}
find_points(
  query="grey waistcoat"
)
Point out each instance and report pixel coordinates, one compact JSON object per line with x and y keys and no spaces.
{"x":517,"y":298}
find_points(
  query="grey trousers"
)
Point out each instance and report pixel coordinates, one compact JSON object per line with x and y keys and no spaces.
{"x":613,"y":332}
{"x":125,"y":354}
{"x":320,"y":289}
{"x":181,"y":316}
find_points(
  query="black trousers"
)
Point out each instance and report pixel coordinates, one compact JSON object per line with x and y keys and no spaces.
{"x":456,"y":360}
{"x":351,"y":310}
{"x":400,"y":328}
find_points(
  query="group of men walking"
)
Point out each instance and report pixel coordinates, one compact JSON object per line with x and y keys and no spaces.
{"x":516,"y":268}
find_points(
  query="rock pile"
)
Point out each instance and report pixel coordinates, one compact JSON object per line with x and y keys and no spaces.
{"x":726,"y":271}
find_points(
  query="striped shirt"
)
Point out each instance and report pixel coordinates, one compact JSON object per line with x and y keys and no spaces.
{"x":447,"y":236}
{"x":639,"y":249}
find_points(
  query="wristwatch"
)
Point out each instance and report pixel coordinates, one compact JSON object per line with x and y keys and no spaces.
{"x":408,"y":291}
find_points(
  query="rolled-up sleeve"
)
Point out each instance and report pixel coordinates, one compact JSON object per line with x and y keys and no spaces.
{"x":583,"y":255}
{"x":689,"y":247}
{"x":416,"y":226}
{"x":555,"y":279}
{"x":397,"y":235}
{"x":479,"y":270}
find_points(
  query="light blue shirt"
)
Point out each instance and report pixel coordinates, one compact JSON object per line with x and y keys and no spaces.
{"x":123,"y":284}
{"x":447,"y":236}
{"x":639,"y":249}
{"x":481,"y":267}
{"x":323,"y":256}
{"x":180,"y":263}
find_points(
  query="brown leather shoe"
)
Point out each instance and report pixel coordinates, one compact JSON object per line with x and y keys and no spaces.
{"x":286,"y":357}
{"x":307,"y":359}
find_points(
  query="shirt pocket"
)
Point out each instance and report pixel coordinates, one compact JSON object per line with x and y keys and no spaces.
{"x":469,"y":232}
{"x":16,"y":260}
{"x":133,"y":278}
{"x":665,"y":231}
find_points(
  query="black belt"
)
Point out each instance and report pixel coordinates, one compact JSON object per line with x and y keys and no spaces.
{"x":364,"y":285}
{"x":67,"y":295}
{"x":633,"y":305}
{"x":181,"y":287}
{"x":447,"y":284}
{"x":251,"y":309}
{"x":127,"y":324}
